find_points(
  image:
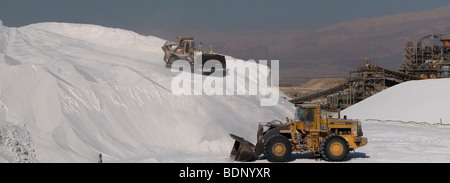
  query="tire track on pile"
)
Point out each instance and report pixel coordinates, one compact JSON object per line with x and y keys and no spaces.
{"x":147,"y":78}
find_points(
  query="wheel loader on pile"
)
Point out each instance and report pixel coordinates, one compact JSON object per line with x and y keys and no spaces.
{"x":328,"y":138}
{"x":185,"y":49}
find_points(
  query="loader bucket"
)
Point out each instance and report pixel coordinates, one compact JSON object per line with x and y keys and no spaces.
{"x":213,"y":56}
{"x":242,"y":149}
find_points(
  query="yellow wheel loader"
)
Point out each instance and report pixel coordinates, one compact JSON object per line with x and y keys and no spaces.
{"x":328,"y":138}
{"x":185,"y":48}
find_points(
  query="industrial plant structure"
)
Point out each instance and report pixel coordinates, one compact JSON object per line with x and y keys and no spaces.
{"x":429,"y":58}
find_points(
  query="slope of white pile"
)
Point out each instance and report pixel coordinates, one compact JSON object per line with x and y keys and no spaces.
{"x":69,"y":92}
{"x":422,"y":101}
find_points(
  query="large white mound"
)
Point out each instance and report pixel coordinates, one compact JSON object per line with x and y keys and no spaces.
{"x":413,"y":101}
{"x":71,"y":91}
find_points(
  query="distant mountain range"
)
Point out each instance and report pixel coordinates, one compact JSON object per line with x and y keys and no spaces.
{"x":330,"y":51}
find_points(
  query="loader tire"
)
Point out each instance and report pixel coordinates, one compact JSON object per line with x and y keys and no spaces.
{"x":277,"y":148}
{"x":334,"y":148}
{"x":171,"y":60}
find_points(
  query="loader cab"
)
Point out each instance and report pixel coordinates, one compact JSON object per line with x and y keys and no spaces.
{"x":304,"y":114}
{"x":186,"y":44}
{"x":308,"y":113}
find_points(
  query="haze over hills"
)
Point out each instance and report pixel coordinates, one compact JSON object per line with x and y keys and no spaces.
{"x":330,"y":51}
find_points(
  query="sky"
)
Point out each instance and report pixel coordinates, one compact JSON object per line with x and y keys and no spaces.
{"x":144,"y":15}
